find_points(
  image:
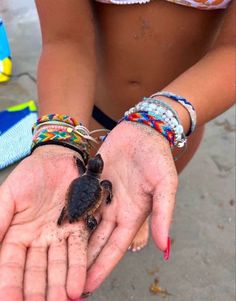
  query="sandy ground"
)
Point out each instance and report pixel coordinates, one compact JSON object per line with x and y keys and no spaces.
{"x":202,"y":262}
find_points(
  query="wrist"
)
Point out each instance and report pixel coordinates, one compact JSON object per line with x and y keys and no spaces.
{"x":55,"y":150}
{"x":182,"y":112}
{"x":64,"y":131}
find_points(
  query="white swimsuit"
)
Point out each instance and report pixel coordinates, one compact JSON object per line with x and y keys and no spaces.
{"x":199,"y":4}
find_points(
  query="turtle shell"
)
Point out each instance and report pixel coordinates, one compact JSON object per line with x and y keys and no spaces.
{"x":83,"y":194}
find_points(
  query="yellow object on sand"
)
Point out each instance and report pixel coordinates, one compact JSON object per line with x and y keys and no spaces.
{"x":5,"y":69}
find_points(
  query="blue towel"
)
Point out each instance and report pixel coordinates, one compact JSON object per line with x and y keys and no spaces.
{"x":16,"y":132}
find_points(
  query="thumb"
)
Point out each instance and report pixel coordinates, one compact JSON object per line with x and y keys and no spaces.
{"x":162,"y":211}
{"x":6,"y":210}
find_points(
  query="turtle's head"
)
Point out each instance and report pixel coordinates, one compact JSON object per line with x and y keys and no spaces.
{"x":95,"y":165}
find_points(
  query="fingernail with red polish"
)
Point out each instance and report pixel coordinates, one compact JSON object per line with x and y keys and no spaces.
{"x":166,"y":253}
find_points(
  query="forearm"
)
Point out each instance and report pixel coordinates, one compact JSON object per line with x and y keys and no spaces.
{"x":67,"y":66}
{"x":66,"y":79}
{"x":209,"y":85}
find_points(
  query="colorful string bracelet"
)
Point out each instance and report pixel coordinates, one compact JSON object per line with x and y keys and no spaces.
{"x":161,"y":111}
{"x":185,"y":103}
{"x":60,"y":137}
{"x":63,"y":130}
{"x":56,"y":117}
{"x":155,"y":105}
{"x":83,"y":154}
{"x":60,"y":130}
{"x":165,"y":112}
{"x":157,"y":124}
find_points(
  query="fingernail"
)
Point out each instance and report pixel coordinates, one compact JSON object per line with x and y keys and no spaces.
{"x":166,"y":253}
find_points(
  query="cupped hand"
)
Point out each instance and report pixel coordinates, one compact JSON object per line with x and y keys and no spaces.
{"x":39,"y":260}
{"x":139,"y":163}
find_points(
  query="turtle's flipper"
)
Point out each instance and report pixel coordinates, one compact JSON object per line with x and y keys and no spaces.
{"x":107,"y":186}
{"x":91,"y":222}
{"x":80,"y":166}
{"x":62,"y":217}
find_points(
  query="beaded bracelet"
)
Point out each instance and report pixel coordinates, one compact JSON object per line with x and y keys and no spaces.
{"x":158,"y":106}
{"x":185,"y":103}
{"x":159,"y":110}
{"x":161,"y":106}
{"x":164,"y":111}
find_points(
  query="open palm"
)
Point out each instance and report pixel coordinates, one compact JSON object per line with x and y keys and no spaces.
{"x":139,"y":163}
{"x":38,"y":259}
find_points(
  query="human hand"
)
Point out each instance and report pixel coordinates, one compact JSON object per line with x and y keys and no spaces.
{"x":139,"y":163}
{"x":39,"y":260}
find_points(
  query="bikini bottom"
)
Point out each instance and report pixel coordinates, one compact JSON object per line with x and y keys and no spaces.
{"x":103,"y":119}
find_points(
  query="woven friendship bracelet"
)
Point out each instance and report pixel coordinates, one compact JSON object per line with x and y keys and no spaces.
{"x":158,"y":107}
{"x":61,"y":137}
{"x":60,"y":130}
{"x":185,"y":103}
{"x":47,"y":129}
{"x":164,"y":112}
{"x":66,"y":131}
{"x":56,"y":117}
{"x":79,"y":129}
{"x":158,"y":124}
{"x":51,"y":134}
{"x":50,"y":127}
{"x":54,"y":127}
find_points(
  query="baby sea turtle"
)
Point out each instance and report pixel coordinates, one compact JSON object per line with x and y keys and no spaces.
{"x":86,"y":193}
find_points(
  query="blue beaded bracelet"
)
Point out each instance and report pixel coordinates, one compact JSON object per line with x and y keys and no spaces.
{"x":188,"y":106}
{"x":160,"y":110}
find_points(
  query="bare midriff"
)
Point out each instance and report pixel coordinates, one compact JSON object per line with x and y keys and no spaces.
{"x":142,"y":48}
